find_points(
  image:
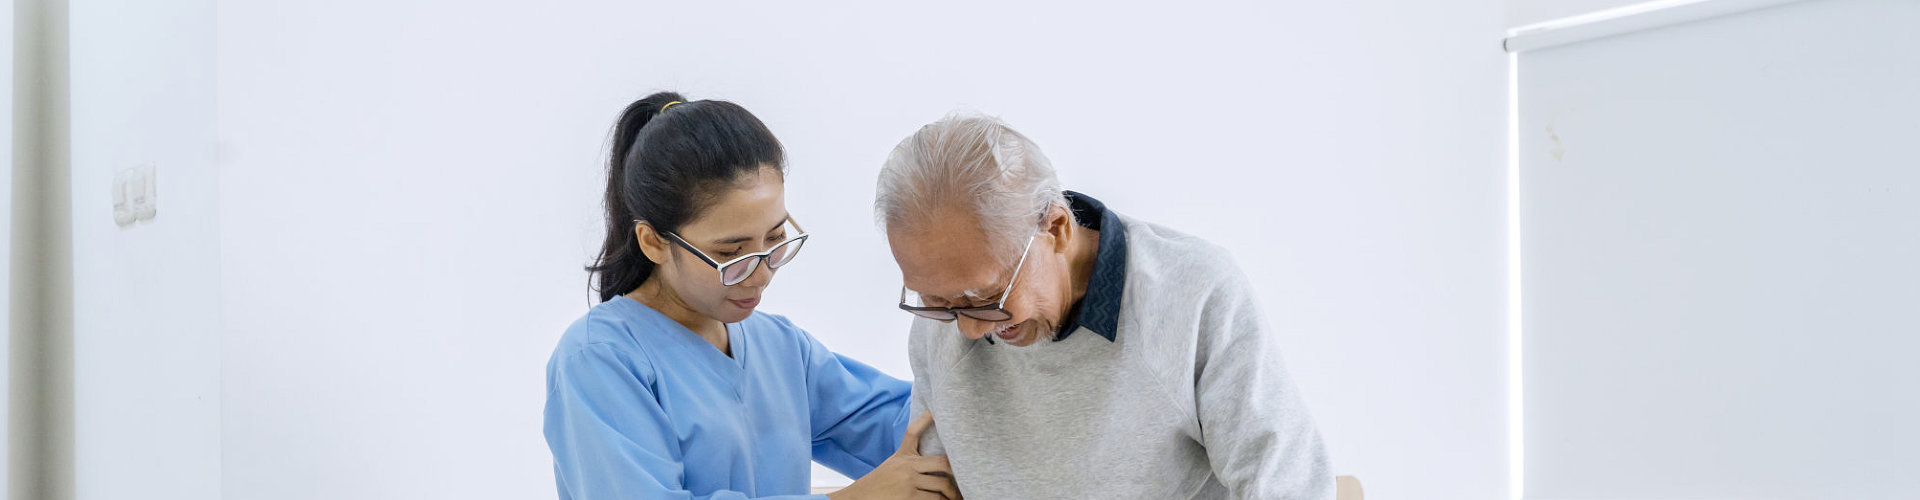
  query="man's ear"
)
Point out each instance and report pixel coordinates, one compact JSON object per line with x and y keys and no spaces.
{"x":1058,"y":224}
{"x":651,"y":243}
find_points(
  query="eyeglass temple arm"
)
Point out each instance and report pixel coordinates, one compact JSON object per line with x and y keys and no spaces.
{"x":1016,"y":273}
{"x":696,"y":252}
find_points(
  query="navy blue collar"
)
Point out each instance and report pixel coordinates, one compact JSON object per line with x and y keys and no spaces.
{"x":1099,"y":309}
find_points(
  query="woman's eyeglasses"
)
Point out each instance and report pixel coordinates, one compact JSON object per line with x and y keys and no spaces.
{"x":737,"y":270}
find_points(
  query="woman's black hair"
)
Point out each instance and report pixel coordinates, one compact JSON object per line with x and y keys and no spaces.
{"x":665,"y":167}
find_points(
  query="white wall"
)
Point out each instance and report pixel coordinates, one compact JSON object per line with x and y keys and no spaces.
{"x":146,"y":322}
{"x":355,"y":297}
{"x":1525,"y":12}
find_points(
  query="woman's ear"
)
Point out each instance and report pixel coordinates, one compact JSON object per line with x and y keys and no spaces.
{"x":651,"y":243}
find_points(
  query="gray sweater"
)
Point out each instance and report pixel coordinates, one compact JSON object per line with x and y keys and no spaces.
{"x":1189,"y":400}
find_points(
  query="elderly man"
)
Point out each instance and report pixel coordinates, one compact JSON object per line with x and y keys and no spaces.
{"x":1068,"y":351}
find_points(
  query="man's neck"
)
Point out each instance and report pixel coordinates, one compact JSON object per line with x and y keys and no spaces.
{"x":1081,"y":257}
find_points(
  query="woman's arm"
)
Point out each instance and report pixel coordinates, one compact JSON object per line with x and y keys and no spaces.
{"x":859,"y":418}
{"x":858,"y":414}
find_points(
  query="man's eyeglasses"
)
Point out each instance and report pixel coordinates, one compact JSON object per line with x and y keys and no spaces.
{"x":737,"y":270}
{"x":996,"y":312}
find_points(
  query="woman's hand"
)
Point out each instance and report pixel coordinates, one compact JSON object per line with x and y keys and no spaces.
{"x":906,"y":474}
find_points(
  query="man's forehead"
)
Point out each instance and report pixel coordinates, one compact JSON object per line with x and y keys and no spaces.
{"x":954,"y":280}
{"x":977,"y":293}
{"x":949,"y":269}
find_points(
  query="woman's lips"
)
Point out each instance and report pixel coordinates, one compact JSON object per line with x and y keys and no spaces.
{"x":746,"y":303}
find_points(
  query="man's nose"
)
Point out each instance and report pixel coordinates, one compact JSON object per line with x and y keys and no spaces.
{"x":973,"y":328}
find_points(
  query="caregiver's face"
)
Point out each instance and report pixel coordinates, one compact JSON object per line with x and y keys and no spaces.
{"x":948,"y":263}
{"x":746,"y":216}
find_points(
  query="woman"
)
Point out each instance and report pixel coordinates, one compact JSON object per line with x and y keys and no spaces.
{"x":673,"y":386}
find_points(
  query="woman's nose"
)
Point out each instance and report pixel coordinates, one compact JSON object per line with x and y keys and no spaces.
{"x":761,"y":277}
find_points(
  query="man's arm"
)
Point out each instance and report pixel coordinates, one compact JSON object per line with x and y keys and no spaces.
{"x":1259,"y":437}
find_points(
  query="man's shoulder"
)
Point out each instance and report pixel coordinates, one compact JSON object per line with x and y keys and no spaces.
{"x":1176,"y":261}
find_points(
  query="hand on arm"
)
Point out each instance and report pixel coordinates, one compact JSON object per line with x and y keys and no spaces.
{"x":906,"y":474}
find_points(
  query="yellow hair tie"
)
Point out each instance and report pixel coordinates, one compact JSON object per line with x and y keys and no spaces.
{"x":663,"y":109}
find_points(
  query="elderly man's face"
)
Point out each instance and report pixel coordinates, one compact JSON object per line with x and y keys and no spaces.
{"x":948,"y":263}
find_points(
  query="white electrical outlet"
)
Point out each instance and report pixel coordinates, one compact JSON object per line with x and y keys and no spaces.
{"x":133,"y":195}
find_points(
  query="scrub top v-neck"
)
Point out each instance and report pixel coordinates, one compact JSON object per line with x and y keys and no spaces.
{"x":638,"y":406}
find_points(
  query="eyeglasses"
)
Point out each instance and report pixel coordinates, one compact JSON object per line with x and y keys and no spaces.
{"x":737,"y":270}
{"x":996,"y":312}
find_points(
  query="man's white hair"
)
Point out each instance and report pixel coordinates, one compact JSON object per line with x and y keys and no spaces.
{"x":969,"y":165}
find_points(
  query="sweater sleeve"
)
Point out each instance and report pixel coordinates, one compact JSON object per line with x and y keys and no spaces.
{"x":1260,"y":440}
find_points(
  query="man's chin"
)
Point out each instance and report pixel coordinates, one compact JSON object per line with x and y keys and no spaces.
{"x":1029,"y":335}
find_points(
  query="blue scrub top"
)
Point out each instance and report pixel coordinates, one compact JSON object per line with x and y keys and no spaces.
{"x":639,"y":407}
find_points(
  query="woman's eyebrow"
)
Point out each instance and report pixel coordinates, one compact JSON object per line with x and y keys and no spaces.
{"x":744,"y":239}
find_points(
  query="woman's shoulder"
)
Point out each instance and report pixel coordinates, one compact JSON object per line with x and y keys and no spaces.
{"x":605,"y":323}
{"x":609,"y":332}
